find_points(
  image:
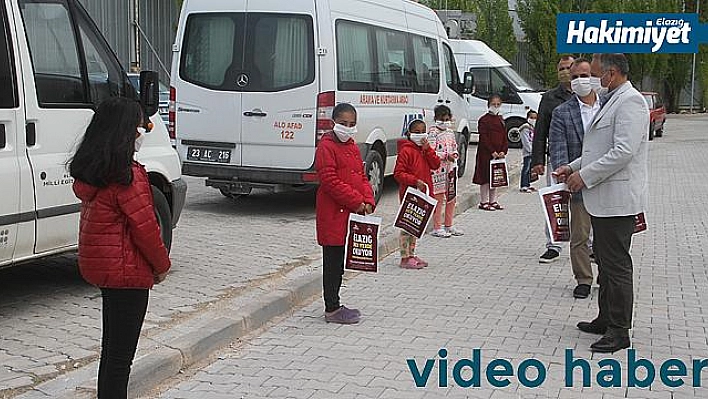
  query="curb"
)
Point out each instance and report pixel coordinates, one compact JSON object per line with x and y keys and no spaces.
{"x":166,"y":362}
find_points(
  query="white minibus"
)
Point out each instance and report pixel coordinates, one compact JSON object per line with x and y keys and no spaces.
{"x":254,"y":84}
{"x":55,"y":67}
{"x":492,"y":74}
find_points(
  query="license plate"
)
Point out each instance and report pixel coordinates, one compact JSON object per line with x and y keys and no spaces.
{"x":208,"y":155}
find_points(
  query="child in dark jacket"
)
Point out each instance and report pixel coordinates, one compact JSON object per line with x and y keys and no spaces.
{"x":343,"y":189}
{"x":416,"y":160}
{"x":120,"y":247}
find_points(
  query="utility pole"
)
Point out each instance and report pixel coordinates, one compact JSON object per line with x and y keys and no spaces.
{"x":693,"y":67}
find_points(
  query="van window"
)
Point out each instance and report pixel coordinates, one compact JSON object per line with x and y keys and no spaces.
{"x":451,"y":76}
{"x":426,"y":66}
{"x":355,"y":57}
{"x":482,"y":86}
{"x":248,"y":52}
{"x":105,"y":76}
{"x":8,"y":89}
{"x":52,"y":43}
{"x":391,"y":67}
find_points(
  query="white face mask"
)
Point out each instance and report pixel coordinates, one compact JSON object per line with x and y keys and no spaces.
{"x":494,"y":110}
{"x":139,"y":140}
{"x":344,"y":133}
{"x":532,"y":122}
{"x":595,"y":84}
{"x":443,"y":125}
{"x":581,"y":86}
{"x":418,"y":137}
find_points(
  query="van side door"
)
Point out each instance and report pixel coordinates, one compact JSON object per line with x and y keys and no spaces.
{"x":10,"y":119}
{"x":68,"y":70}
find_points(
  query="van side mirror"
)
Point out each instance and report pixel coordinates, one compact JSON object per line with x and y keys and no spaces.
{"x":468,"y":85}
{"x":149,"y":92}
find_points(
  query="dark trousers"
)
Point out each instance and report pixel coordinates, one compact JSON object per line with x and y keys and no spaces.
{"x":123,"y":315}
{"x":611,"y":243}
{"x":332,"y":272}
{"x":526,"y":172}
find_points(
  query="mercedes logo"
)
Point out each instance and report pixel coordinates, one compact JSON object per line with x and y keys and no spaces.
{"x":242,"y":80}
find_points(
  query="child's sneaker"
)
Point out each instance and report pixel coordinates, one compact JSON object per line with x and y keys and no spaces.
{"x":421,"y":261}
{"x":454,"y":231}
{"x":410,"y":263}
{"x":440,"y":233}
{"x":343,"y":315}
{"x":525,"y":190}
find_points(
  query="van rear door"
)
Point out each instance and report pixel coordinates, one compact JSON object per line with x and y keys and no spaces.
{"x":208,"y":98}
{"x":280,"y":99}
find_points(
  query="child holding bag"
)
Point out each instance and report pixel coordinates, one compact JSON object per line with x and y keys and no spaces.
{"x":446,"y":148}
{"x":120,"y":247}
{"x":416,"y":160}
{"x":343,"y":189}
{"x":492,"y":145}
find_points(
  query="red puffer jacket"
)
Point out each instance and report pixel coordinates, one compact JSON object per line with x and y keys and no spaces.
{"x":414,"y":164}
{"x":119,"y":238}
{"x":343,"y":188}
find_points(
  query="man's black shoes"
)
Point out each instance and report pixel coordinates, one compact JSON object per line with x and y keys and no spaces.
{"x":609,"y":344}
{"x":582,"y":291}
{"x":592,"y":327}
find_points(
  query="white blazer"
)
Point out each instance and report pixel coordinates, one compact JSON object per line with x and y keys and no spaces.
{"x":613,"y":164}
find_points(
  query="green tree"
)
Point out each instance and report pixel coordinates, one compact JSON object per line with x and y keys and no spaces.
{"x":538,"y":20}
{"x":495,"y":27}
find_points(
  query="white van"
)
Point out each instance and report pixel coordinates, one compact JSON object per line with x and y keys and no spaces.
{"x":254,"y":84}
{"x":55,"y":67}
{"x":492,"y":74}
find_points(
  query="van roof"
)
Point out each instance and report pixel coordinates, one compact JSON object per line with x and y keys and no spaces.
{"x":477,"y":54}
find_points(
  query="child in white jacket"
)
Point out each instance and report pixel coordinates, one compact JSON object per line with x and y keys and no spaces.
{"x":442,"y":137}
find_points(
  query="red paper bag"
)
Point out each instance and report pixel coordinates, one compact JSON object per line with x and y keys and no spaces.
{"x":361,"y":250}
{"x":452,"y":184}
{"x":555,"y":202}
{"x":415,"y":212}
{"x":640,"y":223}
{"x":498,"y":176}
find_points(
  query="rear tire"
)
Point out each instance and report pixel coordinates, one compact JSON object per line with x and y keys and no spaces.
{"x":164,"y":216}
{"x":462,"y":150}
{"x":651,"y":131}
{"x":513,"y":134}
{"x":375,"y":173}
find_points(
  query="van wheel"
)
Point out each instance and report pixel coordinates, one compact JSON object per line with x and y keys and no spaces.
{"x":230,"y":195}
{"x":375,"y":173}
{"x":164,"y":216}
{"x":513,"y":134}
{"x":462,"y":150}
{"x":651,"y":131}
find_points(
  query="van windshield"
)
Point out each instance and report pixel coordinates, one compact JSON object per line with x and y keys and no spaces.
{"x":248,"y":52}
{"x":517,"y":81}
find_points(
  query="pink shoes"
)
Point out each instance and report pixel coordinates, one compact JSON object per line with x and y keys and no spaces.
{"x":413,"y":262}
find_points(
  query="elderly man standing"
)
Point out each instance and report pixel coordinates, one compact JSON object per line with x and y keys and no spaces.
{"x":565,"y":143}
{"x":612,"y":175}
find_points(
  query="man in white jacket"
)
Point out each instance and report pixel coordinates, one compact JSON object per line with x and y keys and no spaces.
{"x":612,"y":174}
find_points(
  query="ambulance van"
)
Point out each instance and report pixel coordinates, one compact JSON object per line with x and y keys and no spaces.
{"x":254,"y":84}
{"x":55,"y":67}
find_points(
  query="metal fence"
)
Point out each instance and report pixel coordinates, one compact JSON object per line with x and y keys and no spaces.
{"x":157,"y":24}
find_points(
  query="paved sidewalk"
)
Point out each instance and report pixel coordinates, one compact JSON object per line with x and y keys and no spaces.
{"x":230,"y":277}
{"x":487,"y":290}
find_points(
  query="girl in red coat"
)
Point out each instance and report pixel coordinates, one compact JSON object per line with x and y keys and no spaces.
{"x":343,"y":189}
{"x":120,"y":247}
{"x":492,"y":145}
{"x":414,"y":165}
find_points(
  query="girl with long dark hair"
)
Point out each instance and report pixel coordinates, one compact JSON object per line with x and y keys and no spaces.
{"x":120,"y":247}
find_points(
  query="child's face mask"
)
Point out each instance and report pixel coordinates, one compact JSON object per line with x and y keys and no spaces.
{"x":418,"y":137}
